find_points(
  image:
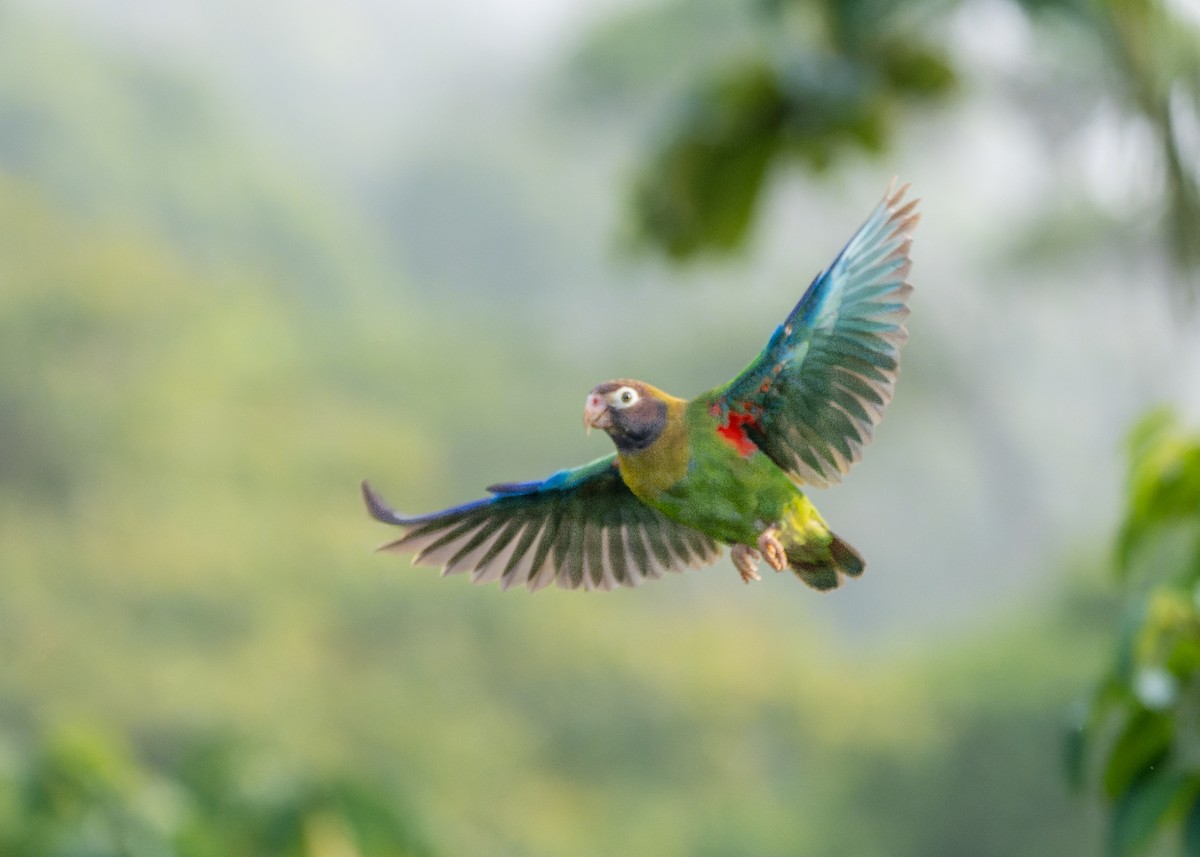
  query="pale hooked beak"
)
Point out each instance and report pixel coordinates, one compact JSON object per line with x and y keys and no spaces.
{"x":595,"y":413}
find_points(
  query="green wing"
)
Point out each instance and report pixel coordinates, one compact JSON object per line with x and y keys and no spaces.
{"x":812,"y":399}
{"x":581,"y":528}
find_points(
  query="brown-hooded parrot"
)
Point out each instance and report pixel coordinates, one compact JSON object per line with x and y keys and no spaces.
{"x":723,"y":468}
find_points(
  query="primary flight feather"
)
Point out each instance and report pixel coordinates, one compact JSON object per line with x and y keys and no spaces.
{"x":723,"y":468}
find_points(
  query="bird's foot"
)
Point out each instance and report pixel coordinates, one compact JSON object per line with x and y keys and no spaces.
{"x":772,"y":548}
{"x":745,"y":559}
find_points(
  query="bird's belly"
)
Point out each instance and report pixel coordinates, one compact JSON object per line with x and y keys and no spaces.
{"x":732,"y":504}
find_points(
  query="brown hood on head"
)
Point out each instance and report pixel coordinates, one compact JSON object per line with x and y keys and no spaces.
{"x":634,"y":414}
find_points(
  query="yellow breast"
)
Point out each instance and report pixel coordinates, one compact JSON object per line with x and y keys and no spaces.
{"x":651,"y":471}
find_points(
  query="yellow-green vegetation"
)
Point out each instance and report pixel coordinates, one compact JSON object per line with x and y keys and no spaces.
{"x":184,"y":556}
{"x":83,"y":793}
{"x":1137,"y":739}
{"x":202,"y":354}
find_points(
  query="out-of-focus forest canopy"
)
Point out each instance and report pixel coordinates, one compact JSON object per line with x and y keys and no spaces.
{"x":814,"y":81}
{"x":219,"y":309}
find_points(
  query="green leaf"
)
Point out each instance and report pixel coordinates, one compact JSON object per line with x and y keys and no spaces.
{"x":701,"y":190}
{"x":1149,"y":430}
{"x":917,"y":71}
{"x":1164,"y":483}
{"x":1142,"y":745}
{"x":1083,"y":720}
{"x":1142,"y":807}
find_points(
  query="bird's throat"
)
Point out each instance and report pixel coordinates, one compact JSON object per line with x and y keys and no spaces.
{"x":653,"y":467}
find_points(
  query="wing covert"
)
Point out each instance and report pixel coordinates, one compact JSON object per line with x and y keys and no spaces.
{"x":812,"y":398}
{"x":580,"y":528}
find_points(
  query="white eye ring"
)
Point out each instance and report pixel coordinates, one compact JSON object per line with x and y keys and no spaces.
{"x":624,"y":397}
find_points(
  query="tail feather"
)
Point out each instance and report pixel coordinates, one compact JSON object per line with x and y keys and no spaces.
{"x":847,"y":559}
{"x":826,"y":572}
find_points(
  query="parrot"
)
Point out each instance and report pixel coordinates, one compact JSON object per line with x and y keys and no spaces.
{"x":726,"y":468}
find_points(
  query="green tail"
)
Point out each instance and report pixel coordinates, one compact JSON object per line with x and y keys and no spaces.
{"x":825,"y":572}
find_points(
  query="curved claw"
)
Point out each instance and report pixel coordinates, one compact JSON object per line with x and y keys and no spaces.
{"x":745,"y":559}
{"x":772,"y":548}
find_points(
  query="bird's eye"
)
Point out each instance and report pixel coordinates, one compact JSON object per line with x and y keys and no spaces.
{"x":626,"y":396}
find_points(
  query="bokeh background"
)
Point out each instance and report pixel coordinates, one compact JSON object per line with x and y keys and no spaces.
{"x":253,"y":252}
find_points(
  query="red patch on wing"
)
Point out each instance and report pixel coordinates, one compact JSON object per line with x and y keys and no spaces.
{"x":734,"y":432}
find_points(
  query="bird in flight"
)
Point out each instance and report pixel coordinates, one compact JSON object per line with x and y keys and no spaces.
{"x":725,"y":468}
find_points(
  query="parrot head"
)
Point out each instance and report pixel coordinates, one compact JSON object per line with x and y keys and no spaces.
{"x":634,"y":414}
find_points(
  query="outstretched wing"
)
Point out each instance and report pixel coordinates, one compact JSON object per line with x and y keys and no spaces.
{"x":813,"y":397}
{"x":582,"y":528}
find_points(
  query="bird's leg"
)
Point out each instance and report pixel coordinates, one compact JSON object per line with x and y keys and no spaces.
{"x":745,"y":559}
{"x":772,"y":548}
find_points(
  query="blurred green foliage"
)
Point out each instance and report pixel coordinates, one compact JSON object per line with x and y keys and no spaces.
{"x":202,"y":357}
{"x":810,"y":82}
{"x":182,"y":552}
{"x":813,"y":81}
{"x":179,"y":462}
{"x":1138,"y":740}
{"x":83,"y":794}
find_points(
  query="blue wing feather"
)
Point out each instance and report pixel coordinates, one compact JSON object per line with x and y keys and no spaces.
{"x":581,"y":527}
{"x":818,"y":389}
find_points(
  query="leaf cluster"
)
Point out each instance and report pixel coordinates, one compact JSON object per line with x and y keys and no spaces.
{"x":823,"y":79}
{"x":1138,"y":738}
{"x":829,"y":78}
